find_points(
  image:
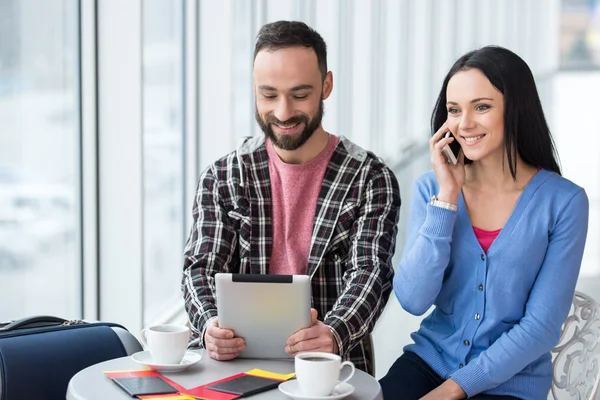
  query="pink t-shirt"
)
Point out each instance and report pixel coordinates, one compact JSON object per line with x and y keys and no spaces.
{"x":295,"y":190}
{"x":485,"y":238}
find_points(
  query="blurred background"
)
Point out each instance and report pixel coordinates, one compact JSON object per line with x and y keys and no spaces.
{"x":110,"y":109}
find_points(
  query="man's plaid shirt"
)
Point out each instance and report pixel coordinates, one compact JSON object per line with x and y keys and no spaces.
{"x":352,"y":243}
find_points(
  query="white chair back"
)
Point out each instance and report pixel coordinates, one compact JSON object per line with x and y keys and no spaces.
{"x":576,"y":358}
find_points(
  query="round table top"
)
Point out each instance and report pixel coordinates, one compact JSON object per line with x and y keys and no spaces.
{"x":92,"y":384}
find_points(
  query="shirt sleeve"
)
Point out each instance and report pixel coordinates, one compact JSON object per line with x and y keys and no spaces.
{"x":367,"y":280}
{"x":420,"y":274}
{"x":209,"y":250}
{"x":546,"y":309}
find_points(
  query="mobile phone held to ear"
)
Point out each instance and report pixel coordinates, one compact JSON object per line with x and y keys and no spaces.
{"x":452,"y":150}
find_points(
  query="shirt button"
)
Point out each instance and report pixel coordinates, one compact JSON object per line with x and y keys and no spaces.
{"x":466,"y":342}
{"x":460,"y":365}
{"x":480,"y":287}
{"x":483,"y":257}
{"x":477,"y":316}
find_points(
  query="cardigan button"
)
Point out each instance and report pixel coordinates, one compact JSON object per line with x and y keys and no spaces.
{"x":483,"y":257}
{"x":466,"y":342}
{"x":480,"y":287}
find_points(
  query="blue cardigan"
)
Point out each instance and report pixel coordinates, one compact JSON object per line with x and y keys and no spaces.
{"x":499,"y":314}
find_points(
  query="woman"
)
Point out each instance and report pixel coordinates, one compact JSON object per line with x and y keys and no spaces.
{"x":494,"y":241}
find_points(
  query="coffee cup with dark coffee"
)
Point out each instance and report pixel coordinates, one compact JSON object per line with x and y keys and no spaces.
{"x":319,"y":373}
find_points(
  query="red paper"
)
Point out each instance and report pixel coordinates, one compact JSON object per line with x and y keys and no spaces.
{"x":207,"y":394}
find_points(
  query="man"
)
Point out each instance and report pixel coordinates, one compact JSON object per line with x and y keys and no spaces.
{"x":296,"y":200}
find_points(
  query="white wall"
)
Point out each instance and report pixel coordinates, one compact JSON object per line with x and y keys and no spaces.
{"x":388,"y":59}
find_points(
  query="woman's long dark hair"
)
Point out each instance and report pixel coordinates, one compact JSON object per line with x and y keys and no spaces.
{"x":526,"y":132}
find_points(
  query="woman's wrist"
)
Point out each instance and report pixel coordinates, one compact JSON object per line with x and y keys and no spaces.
{"x":449,"y":390}
{"x":448,"y":197}
{"x":456,"y":391}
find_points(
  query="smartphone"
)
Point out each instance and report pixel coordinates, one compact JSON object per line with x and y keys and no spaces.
{"x":452,"y":150}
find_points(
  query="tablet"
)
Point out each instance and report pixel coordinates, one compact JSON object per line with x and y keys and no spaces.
{"x":264,"y":310}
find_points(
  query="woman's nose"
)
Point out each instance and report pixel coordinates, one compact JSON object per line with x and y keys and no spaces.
{"x":466,"y":122}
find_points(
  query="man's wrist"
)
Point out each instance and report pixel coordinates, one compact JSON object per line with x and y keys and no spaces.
{"x":336,"y":347}
{"x":204,"y":329}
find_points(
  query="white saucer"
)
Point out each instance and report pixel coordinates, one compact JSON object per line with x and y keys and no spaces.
{"x":145,"y":358}
{"x":291,"y":389}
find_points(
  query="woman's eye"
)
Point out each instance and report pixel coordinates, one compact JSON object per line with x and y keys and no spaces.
{"x":482,"y":107}
{"x":452,"y":111}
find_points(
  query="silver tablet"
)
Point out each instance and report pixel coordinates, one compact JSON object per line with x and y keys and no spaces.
{"x":264,"y":310}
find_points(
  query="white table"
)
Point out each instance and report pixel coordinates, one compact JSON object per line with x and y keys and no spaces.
{"x":92,"y":384}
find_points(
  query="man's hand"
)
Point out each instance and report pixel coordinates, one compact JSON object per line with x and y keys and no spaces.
{"x":449,"y":390}
{"x":317,"y":337}
{"x":221,"y":344}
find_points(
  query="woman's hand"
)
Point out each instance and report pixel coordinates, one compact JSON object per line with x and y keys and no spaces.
{"x":449,"y":390}
{"x":450,"y":177}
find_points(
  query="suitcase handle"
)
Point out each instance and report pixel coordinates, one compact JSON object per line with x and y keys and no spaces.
{"x":32,"y":322}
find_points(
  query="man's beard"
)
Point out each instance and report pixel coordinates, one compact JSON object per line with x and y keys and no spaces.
{"x":290,"y":142}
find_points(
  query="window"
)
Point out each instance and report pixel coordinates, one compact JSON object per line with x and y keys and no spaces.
{"x":40,"y":250}
{"x":580,"y":34}
{"x":163,"y":155}
{"x":574,"y":106}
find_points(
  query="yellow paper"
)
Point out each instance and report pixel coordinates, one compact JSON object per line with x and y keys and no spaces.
{"x":167,"y":397}
{"x":270,"y":375}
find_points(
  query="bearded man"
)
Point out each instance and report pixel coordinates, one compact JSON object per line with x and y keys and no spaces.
{"x":295,"y":200}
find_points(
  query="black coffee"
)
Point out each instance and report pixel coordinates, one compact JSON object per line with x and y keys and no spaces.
{"x":317,"y":359}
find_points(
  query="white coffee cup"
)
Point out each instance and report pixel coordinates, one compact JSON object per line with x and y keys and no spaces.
{"x":167,"y":343}
{"x":318,"y":373}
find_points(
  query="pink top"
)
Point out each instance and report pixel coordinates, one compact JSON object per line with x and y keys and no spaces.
{"x":485,"y":238}
{"x":295,"y":190}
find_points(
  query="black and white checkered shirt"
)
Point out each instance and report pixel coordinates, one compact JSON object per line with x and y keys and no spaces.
{"x":352,"y":243}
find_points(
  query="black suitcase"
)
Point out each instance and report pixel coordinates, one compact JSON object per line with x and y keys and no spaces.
{"x":39,"y":355}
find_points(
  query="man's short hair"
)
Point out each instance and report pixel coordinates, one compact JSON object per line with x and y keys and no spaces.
{"x":284,"y":34}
